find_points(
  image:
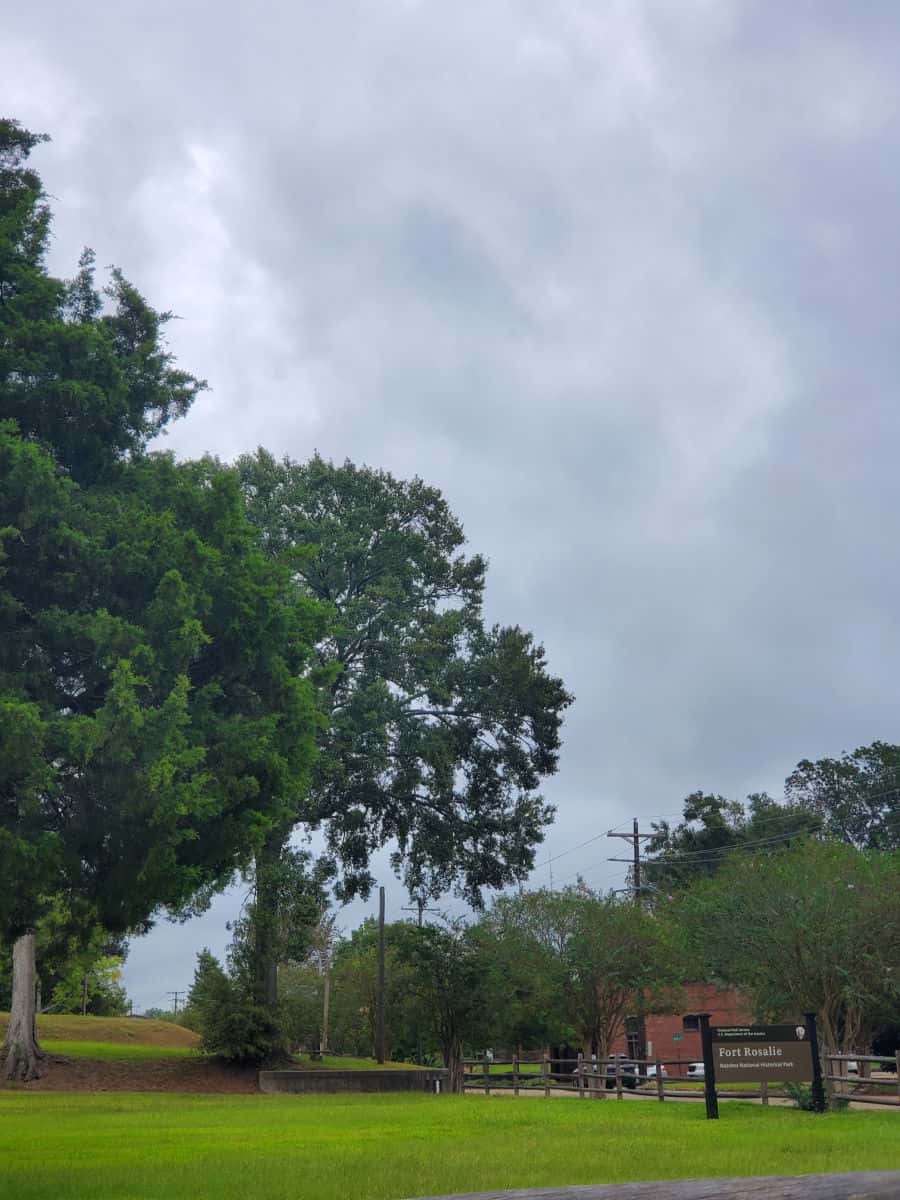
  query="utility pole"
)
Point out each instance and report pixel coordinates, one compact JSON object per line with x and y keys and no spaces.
{"x":636,"y":837}
{"x":379,"y":1027}
{"x":175,"y":997}
{"x":324,"y":948}
{"x":419,"y":907}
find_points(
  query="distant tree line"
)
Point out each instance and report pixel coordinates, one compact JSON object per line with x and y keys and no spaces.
{"x":814,"y":925}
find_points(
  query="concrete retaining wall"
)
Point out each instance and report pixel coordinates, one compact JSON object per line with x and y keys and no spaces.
{"x":312,"y":1082}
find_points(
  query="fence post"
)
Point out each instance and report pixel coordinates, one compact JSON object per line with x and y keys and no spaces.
{"x":660,"y":1090}
{"x":596,"y":1081}
{"x":764,"y":1093}
{"x":515,"y":1074}
{"x":545,"y":1071}
{"x":580,"y":1071}
{"x":618,"y":1079}
{"x":487,"y":1075}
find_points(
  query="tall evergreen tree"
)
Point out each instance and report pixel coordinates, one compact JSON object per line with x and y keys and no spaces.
{"x":155,"y":724}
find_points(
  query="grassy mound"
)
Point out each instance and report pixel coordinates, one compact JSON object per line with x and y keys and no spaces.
{"x":111,"y":1037}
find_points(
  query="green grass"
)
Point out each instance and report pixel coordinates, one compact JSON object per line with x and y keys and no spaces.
{"x":116,"y":1051}
{"x":127,"y":1146}
{"x":334,"y":1062}
{"x":117,"y":1030}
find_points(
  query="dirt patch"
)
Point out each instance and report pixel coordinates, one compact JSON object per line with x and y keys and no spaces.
{"x":156,"y":1075}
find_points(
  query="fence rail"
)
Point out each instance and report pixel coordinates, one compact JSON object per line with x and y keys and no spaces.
{"x":593,"y":1078}
{"x":840,"y":1084}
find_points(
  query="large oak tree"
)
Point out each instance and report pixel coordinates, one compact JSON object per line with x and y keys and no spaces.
{"x":440,"y":728}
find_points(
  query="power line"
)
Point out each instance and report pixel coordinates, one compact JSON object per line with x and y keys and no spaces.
{"x":571,"y":850}
{"x":778,"y":837}
{"x":715,"y":852}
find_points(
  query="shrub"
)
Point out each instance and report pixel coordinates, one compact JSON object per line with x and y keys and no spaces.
{"x":231,"y":1025}
{"x":801,"y":1094}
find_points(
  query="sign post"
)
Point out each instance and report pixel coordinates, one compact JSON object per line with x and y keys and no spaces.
{"x":709,"y":1070}
{"x":818,"y":1085}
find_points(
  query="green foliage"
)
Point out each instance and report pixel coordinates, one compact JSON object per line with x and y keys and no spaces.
{"x":280,"y":924}
{"x":802,"y":1095}
{"x":440,"y":729}
{"x":354,"y":993}
{"x":591,"y":954}
{"x":712,"y":828}
{"x":98,"y":984}
{"x":856,"y":797}
{"x":300,"y":1001}
{"x":166,"y":1014}
{"x":815,"y":927}
{"x":155,"y":719}
{"x":83,"y":373}
{"x":445,"y":988}
{"x":231,"y":1024}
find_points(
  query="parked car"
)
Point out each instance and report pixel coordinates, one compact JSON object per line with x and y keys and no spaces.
{"x":628,"y":1069}
{"x":696,"y":1071}
{"x":651,"y":1072}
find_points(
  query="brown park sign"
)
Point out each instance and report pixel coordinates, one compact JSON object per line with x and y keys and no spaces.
{"x":768,"y":1053}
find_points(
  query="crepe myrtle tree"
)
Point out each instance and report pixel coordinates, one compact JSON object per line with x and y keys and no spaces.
{"x":814,"y":927}
{"x":155,"y":722}
{"x":594,"y":955}
{"x":439,"y":728}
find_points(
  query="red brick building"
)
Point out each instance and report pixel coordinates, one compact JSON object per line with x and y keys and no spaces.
{"x":679,"y":1036}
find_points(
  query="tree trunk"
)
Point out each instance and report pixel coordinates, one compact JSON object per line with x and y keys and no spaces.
{"x":21,"y":1057}
{"x":324,"y":1044}
{"x":454,"y":1064}
{"x":265,"y":919}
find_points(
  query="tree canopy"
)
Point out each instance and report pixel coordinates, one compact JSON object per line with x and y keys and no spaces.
{"x":155,"y":719}
{"x":440,"y":729}
{"x":815,"y":927}
{"x":714,"y":827}
{"x":856,"y":796}
{"x":596,"y":953}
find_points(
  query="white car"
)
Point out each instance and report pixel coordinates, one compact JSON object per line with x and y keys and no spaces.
{"x":696,"y":1071}
{"x":651,"y":1072}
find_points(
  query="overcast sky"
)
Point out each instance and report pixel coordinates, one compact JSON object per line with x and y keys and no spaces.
{"x":619,"y":277}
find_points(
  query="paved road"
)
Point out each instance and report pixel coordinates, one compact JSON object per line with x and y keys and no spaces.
{"x":868,"y":1185}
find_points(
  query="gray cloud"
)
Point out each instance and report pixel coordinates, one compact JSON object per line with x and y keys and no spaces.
{"x":620,"y":279}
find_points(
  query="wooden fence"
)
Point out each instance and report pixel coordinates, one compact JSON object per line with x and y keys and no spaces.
{"x":595,"y":1078}
{"x":840,"y":1083}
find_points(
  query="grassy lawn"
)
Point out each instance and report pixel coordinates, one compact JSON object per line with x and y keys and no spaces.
{"x":334,"y":1062}
{"x":115,"y":1051}
{"x":130,"y":1146}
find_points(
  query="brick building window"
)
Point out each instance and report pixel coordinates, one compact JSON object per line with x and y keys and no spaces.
{"x":691,"y":1024}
